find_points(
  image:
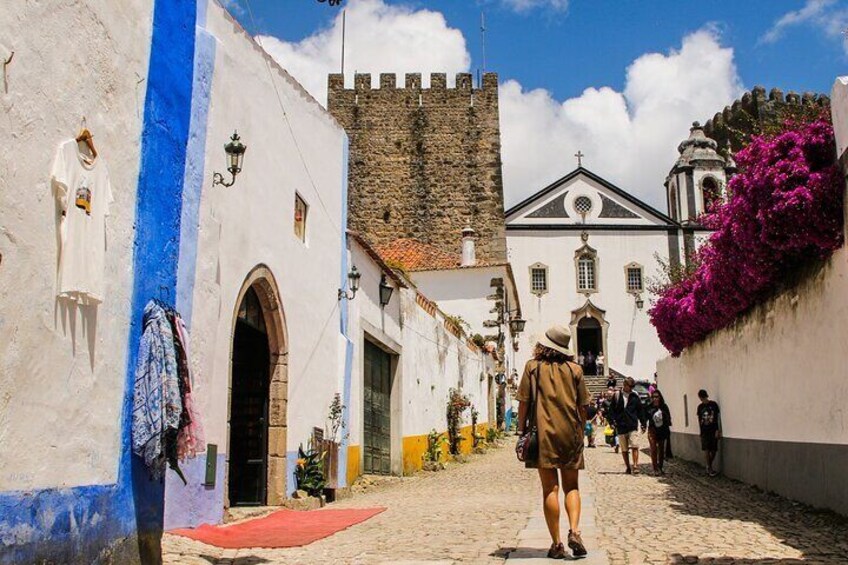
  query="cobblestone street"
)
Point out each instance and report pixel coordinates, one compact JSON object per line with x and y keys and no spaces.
{"x":465,"y":513}
{"x":687,"y":517}
{"x":476,"y":513}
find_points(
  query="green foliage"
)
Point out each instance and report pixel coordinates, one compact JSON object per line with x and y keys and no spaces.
{"x":309,"y":471}
{"x":458,"y":403}
{"x":491,"y":435}
{"x":478,"y":340}
{"x":435,"y":441}
{"x":463,"y":326}
{"x":335,"y":418}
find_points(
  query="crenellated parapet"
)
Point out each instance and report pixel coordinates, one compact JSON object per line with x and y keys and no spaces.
{"x":425,"y":163}
{"x":757,"y":112}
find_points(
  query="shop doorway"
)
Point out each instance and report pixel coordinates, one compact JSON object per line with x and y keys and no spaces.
{"x":377,"y":414}
{"x":249,"y":404}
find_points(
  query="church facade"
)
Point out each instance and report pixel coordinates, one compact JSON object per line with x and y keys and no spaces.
{"x":584,"y":252}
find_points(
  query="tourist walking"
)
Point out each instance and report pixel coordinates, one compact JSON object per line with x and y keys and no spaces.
{"x":601,"y":361}
{"x":709,"y":419}
{"x":628,"y":415}
{"x":659,"y":430}
{"x":552,"y":401}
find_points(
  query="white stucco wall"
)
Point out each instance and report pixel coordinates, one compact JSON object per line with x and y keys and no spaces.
{"x":370,"y":322}
{"x":556,"y":250}
{"x":251,"y":223}
{"x":779,"y":373}
{"x":62,"y":368}
{"x":435,"y":361}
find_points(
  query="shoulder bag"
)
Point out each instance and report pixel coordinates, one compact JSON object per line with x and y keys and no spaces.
{"x":527,"y":448}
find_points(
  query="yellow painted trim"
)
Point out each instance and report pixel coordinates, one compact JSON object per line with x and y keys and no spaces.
{"x":414,"y":448}
{"x":354,"y":468}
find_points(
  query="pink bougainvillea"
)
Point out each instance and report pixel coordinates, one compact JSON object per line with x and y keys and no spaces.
{"x":784,"y":209}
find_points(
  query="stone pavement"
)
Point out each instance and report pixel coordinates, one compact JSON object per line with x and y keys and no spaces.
{"x":489,"y":509}
{"x":687,"y":517}
{"x":467,"y":513}
{"x":534,"y":540}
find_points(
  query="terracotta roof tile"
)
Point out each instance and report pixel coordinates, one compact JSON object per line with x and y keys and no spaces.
{"x":414,"y":255}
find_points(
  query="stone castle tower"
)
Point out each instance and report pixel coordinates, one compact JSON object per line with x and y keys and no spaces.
{"x":424,"y":163}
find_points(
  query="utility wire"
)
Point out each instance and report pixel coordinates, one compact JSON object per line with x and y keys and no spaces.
{"x":333,"y":220}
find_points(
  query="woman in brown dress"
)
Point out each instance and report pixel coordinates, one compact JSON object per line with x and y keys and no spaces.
{"x":561,"y":400}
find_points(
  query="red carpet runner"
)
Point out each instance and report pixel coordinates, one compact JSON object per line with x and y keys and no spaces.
{"x":283,"y":528}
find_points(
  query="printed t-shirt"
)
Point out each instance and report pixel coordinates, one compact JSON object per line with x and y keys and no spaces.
{"x":708,"y":416}
{"x":81,"y":185}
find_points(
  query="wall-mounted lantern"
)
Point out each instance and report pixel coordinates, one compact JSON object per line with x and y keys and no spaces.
{"x":639,"y":302}
{"x":516,"y":325}
{"x":235,"y":154}
{"x":385,"y":291}
{"x":353,"y":284}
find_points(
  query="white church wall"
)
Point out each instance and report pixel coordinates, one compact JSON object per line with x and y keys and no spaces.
{"x":779,"y":376}
{"x":57,"y":360}
{"x":615,"y":250}
{"x":249,"y":225}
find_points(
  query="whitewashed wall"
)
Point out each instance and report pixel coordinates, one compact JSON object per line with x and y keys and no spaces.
{"x":435,"y":361}
{"x":779,"y":376}
{"x":62,"y":368}
{"x":615,"y":250}
{"x":369,"y":321}
{"x":252,"y":223}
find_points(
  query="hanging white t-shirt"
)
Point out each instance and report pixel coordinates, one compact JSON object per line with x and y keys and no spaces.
{"x":81,"y":185}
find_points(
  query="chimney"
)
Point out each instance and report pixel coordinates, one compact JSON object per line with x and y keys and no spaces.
{"x":469,"y":254}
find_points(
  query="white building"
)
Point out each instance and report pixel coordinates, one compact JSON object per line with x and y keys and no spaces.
{"x":585,"y":251}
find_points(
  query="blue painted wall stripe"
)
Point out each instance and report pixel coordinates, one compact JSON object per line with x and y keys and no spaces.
{"x":204,"y":68}
{"x":78,"y":524}
{"x":164,"y":139}
{"x":343,"y":321}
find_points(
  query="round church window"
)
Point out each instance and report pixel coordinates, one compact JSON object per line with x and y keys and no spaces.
{"x":583,"y":204}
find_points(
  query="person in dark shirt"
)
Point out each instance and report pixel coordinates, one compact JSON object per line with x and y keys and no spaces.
{"x":659,"y":424}
{"x":709,"y":419}
{"x":627,"y":412}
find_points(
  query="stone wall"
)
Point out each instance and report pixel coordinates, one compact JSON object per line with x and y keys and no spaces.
{"x":755,"y":113}
{"x":424,"y":163}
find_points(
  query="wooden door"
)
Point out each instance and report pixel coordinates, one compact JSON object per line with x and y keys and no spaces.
{"x":377,"y":413}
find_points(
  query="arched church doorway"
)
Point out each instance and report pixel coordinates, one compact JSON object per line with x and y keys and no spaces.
{"x":258,"y":389}
{"x":589,"y":338}
{"x":590,"y":327}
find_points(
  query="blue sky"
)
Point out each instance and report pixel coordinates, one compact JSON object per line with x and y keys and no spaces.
{"x":620,"y":79}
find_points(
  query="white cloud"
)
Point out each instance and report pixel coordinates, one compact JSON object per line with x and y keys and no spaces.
{"x":233,"y":6}
{"x":629,"y":137}
{"x":527,"y":5}
{"x":822,"y":14}
{"x":378,"y":38}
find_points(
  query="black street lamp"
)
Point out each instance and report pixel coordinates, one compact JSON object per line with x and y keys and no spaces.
{"x":516,"y":325}
{"x":639,"y":302}
{"x":385,"y":291}
{"x":353,"y":283}
{"x":235,"y":154}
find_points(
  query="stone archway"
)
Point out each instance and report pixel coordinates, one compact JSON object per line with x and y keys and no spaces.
{"x":262,"y":284}
{"x":598,"y":316}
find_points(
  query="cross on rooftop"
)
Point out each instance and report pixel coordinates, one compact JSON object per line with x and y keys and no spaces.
{"x":579,"y":156}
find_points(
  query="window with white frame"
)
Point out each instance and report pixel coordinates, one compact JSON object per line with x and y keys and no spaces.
{"x":586,"y":276}
{"x":634,"y":277}
{"x":538,"y":279}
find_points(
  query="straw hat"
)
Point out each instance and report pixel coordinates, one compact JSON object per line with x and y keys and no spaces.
{"x":557,"y":338}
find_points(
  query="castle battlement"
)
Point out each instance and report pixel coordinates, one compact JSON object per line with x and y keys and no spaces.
{"x":412,"y":82}
{"x":425,"y":163}
{"x":755,"y":109}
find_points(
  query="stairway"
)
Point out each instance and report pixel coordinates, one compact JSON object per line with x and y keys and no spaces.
{"x":596,"y":385}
